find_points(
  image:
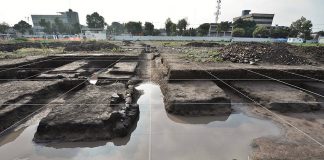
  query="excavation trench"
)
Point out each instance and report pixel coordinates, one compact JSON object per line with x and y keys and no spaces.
{"x":157,"y":134}
{"x":76,"y":128}
{"x":35,"y":69}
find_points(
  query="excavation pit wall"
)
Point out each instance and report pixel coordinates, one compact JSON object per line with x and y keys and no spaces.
{"x":32,"y":69}
{"x":173,"y":71}
{"x":36,"y":91}
{"x":22,"y":98}
{"x":97,"y":112}
{"x":243,"y":74}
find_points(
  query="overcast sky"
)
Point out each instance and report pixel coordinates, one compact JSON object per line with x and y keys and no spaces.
{"x":157,"y":11}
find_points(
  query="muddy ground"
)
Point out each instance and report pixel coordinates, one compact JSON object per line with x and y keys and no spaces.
{"x":302,"y":128}
{"x":92,"y":97}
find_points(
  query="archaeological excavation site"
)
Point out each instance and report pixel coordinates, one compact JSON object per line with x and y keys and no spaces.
{"x":161,"y":100}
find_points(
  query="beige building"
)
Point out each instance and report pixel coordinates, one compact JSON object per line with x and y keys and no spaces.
{"x":261,"y":19}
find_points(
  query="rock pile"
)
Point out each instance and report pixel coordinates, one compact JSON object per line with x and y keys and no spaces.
{"x":255,"y":52}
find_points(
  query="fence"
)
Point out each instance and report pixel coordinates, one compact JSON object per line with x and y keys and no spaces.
{"x":170,"y":38}
{"x":181,"y":38}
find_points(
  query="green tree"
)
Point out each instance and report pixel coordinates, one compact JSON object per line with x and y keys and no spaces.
{"x":302,"y":28}
{"x":46,"y":25}
{"x":238,"y":32}
{"x":224,"y":26}
{"x":203,"y":29}
{"x":169,"y":27}
{"x":116,"y":28}
{"x":135,"y":28}
{"x":59,"y":26}
{"x":76,"y":28}
{"x":182,"y":26}
{"x":321,"y":33}
{"x":156,"y":32}
{"x":174,"y":29}
{"x":280,"y":32}
{"x":248,"y":26}
{"x":148,"y":28}
{"x":4,"y":27}
{"x":22,"y":27}
{"x":190,"y":32}
{"x":96,"y":21}
{"x":261,"y":32}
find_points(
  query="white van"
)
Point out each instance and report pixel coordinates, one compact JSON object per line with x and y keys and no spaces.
{"x":295,"y":40}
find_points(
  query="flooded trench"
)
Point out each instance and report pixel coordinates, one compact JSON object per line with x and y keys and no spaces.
{"x":158,"y":135}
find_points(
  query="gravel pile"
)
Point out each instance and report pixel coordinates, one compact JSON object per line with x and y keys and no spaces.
{"x":276,"y":53}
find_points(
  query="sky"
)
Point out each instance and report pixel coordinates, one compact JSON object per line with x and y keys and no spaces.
{"x":157,"y":11}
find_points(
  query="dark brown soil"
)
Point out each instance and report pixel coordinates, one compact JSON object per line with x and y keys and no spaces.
{"x":276,"y":53}
{"x":70,"y":46}
{"x":15,"y":46}
{"x":90,"y":46}
{"x":200,"y":44}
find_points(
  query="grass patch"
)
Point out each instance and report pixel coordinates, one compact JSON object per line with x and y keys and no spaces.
{"x":202,"y":56}
{"x":24,"y":52}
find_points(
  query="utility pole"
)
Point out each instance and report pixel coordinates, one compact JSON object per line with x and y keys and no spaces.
{"x":213,"y":26}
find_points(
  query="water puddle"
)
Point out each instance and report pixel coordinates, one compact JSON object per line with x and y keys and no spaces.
{"x":157,"y":135}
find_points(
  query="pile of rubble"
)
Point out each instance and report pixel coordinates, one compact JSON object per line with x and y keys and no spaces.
{"x":315,"y":53}
{"x":200,"y":44}
{"x":276,"y":53}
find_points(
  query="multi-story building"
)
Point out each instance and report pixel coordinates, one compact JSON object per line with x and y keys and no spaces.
{"x":261,"y":19}
{"x":69,"y":18}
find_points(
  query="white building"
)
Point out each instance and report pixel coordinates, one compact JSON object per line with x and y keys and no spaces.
{"x":261,"y":19}
{"x":94,"y":33}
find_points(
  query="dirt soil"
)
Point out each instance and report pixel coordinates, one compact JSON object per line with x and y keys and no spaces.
{"x":278,"y":97}
{"x":92,"y":114}
{"x":200,"y":44}
{"x":21,"y":98}
{"x":291,"y":144}
{"x":106,"y":110}
{"x":90,"y":46}
{"x":15,"y":46}
{"x":69,"y":46}
{"x":196,"y":99}
{"x":275,"y":53}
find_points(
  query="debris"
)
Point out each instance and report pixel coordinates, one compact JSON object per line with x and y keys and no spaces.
{"x":275,"y":53}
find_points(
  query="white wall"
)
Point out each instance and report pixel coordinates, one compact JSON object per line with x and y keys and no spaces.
{"x":95,"y":36}
{"x":180,"y":38}
{"x":321,"y":40}
{"x":170,"y":38}
{"x":242,"y":39}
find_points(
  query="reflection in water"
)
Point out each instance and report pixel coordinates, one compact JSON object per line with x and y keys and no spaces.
{"x":170,"y":137}
{"x":196,"y":120}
